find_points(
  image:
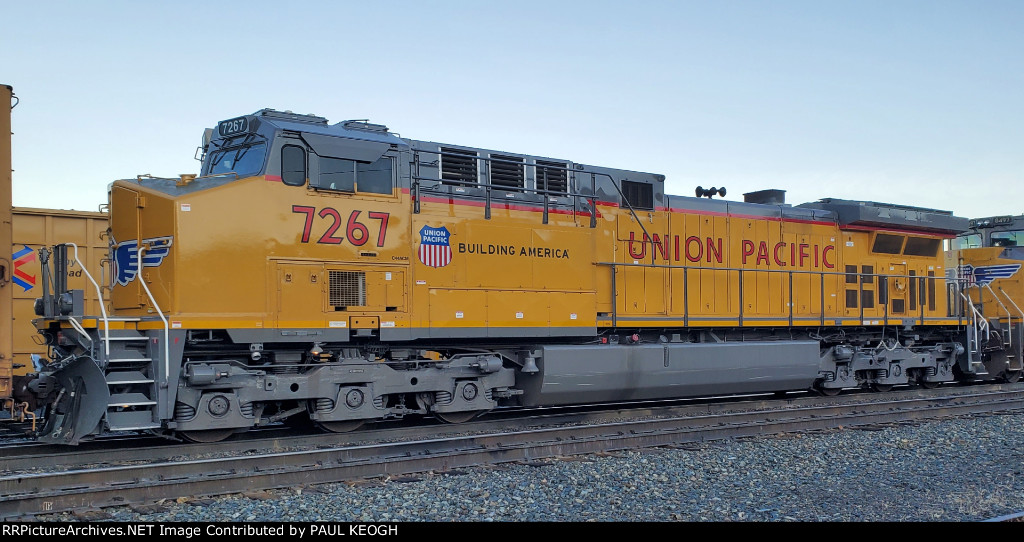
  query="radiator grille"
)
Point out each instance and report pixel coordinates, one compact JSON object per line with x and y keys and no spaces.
{"x":347,"y":288}
{"x":458,"y":165}
{"x":506,"y":174}
{"x":550,"y":178}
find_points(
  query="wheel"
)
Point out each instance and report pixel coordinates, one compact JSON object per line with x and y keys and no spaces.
{"x":829,"y":392}
{"x":928,"y":385}
{"x":1010,"y":376}
{"x":206,"y":436}
{"x":340,"y":427}
{"x":881,"y":387}
{"x":458,"y":417}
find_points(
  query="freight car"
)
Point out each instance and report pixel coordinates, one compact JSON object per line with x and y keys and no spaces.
{"x":7,"y":401}
{"x":34,"y":229}
{"x":343,"y":274}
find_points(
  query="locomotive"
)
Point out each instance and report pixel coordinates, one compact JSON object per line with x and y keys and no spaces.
{"x":342,"y":274}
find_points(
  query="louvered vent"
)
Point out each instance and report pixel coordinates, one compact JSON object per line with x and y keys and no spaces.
{"x":348,"y":289}
{"x":550,"y":178}
{"x":506,"y":174}
{"x":458,"y":165}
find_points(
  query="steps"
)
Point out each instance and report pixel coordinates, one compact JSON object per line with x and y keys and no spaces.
{"x":130,"y":377}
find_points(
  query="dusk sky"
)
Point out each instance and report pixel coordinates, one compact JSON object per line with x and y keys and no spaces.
{"x":915,"y":102}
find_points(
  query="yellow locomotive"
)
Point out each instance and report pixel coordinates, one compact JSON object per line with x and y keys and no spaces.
{"x":340,"y":273}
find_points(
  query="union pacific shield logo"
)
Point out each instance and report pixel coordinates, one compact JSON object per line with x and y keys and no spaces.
{"x":435,"y":250}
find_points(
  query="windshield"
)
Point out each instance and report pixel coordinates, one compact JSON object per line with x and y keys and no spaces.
{"x":971,"y":240}
{"x":246,"y":160}
{"x":1008,"y":238}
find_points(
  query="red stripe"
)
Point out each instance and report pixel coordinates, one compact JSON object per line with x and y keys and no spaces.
{"x":23,"y":276}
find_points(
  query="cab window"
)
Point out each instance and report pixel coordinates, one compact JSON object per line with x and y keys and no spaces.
{"x":351,"y":176}
{"x":1008,"y":238}
{"x":972,"y":240}
{"x":293,"y":165}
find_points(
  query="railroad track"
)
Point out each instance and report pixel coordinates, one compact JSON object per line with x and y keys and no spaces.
{"x":168,"y":472}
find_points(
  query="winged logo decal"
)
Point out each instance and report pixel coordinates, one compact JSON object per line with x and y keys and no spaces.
{"x":126,"y":257}
{"x":983,"y":276}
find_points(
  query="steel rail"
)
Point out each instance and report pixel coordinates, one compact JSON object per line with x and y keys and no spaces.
{"x":32,"y":494}
{"x":111,"y":450}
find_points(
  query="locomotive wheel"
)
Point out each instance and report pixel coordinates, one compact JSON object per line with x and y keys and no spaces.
{"x":928,"y":385}
{"x":1011,"y":376}
{"x":881,"y":387}
{"x":206,"y":436}
{"x":458,"y":417}
{"x":827,"y":392}
{"x":340,"y":427}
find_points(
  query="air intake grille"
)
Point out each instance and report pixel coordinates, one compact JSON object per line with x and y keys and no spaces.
{"x":505,"y":174}
{"x":458,"y":165}
{"x":348,"y":288}
{"x":549,"y":178}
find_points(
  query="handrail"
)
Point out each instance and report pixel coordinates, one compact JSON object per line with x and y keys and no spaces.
{"x":489,"y":186}
{"x":99,"y":299}
{"x":975,"y":313}
{"x":976,"y":316}
{"x":1009,"y":318}
{"x":1010,"y":299}
{"x":160,"y":313}
{"x":81,"y":331}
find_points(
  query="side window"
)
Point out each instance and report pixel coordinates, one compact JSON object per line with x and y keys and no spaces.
{"x":337,"y":174}
{"x":293,"y":165}
{"x":887,"y":244}
{"x":919,"y":246}
{"x":351,"y":176}
{"x":375,"y":178}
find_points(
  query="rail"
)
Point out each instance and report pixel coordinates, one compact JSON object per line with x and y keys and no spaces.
{"x":1020,"y":326}
{"x":975,"y":318}
{"x":99,"y":298}
{"x":488,"y":185}
{"x":1009,"y":317}
{"x":160,"y":313}
{"x":1010,"y":299}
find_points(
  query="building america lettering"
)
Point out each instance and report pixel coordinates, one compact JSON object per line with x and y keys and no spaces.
{"x":513,"y":250}
{"x":710,"y":250}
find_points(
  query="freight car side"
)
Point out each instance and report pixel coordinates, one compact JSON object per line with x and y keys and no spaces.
{"x":37,"y":228}
{"x":6,"y":266}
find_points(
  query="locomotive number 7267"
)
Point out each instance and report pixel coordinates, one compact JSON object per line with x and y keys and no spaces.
{"x":355,"y":231}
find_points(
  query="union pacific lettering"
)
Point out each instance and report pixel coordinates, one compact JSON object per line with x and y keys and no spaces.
{"x":676,"y":248}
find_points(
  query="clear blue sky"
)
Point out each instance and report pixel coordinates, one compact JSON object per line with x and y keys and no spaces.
{"x":917,"y":102}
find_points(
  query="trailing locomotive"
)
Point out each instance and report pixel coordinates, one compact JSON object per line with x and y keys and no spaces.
{"x":343,"y":274}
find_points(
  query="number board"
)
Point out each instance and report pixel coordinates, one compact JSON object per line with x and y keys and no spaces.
{"x":234,"y":126}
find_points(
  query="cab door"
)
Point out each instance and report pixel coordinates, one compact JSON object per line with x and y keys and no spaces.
{"x":124,"y":228}
{"x":899,"y":289}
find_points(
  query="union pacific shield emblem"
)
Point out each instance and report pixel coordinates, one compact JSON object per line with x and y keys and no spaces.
{"x":435,"y":251}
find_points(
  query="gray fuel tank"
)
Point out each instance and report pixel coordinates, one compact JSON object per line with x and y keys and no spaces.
{"x":598,"y":373}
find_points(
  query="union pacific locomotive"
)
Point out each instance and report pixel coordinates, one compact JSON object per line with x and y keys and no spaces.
{"x":342,"y":274}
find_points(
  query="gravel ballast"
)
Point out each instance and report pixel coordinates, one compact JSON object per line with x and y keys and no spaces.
{"x":962,"y":469}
